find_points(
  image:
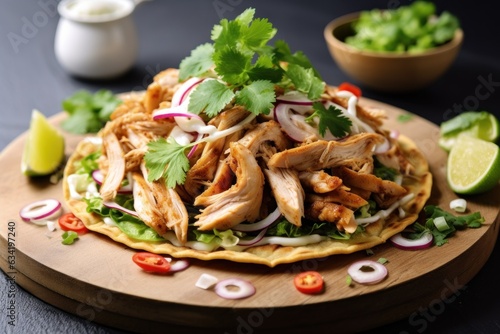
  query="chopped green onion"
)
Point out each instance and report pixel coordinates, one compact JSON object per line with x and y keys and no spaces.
{"x":348,"y":280}
{"x":382,"y":260}
{"x":69,"y":237}
{"x":459,"y":205}
{"x":440,"y":223}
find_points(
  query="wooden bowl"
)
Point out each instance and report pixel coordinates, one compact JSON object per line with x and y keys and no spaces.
{"x":388,"y":72}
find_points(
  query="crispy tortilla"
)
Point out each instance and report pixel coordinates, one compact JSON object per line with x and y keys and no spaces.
{"x":420,"y":184}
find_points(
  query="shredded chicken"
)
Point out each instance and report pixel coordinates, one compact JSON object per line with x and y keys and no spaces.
{"x":288,"y":193}
{"x":116,"y":167}
{"x":319,"y":181}
{"x":241,"y":202}
{"x":145,"y":205}
{"x":333,"y":213}
{"x":204,"y":169}
{"x":354,"y":152}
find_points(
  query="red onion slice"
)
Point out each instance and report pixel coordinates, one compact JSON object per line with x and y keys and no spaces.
{"x":254,"y":240}
{"x":116,"y":206}
{"x":367,"y":272}
{"x":183,"y":91}
{"x":296,"y":99}
{"x":39,"y":210}
{"x":173,"y":112}
{"x":99,"y":178}
{"x":243,"y":288}
{"x":266,"y":222}
{"x":425,"y":241}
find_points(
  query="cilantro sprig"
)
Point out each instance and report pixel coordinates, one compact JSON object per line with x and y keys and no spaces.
{"x":167,"y":159}
{"x":88,"y":112}
{"x":331,"y":119}
{"x":249,"y":67}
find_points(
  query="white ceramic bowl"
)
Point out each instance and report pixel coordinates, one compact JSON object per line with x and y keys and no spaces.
{"x":96,"y":45}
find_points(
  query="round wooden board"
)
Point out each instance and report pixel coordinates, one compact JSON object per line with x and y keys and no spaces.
{"x":95,"y":279}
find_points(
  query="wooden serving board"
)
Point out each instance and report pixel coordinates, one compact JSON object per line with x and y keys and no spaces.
{"x":95,"y":278}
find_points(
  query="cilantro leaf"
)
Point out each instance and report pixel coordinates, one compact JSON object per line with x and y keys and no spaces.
{"x":228,"y":34}
{"x":258,"y":97}
{"x":210,"y":97}
{"x":166,"y":159}
{"x":331,"y":119}
{"x":231,"y":65}
{"x":284,"y":54}
{"x":88,"y":112}
{"x":82,"y":121}
{"x":305,"y":80}
{"x":258,"y":34}
{"x":199,"y":62}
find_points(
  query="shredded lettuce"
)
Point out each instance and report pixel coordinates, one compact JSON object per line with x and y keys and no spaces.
{"x":88,"y":163}
{"x":130,"y":225}
{"x":285,"y":229}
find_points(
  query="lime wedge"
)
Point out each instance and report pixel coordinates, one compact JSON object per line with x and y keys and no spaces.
{"x":473,"y":165}
{"x":482,"y":125}
{"x":44,"y":148}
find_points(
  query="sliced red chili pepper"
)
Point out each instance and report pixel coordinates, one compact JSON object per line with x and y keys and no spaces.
{"x":350,"y":88}
{"x":151,"y":262}
{"x":310,"y":282}
{"x":70,"y":222}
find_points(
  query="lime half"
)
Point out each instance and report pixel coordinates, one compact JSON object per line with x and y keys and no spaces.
{"x":482,"y":125}
{"x":44,"y":147}
{"x":473,"y":165}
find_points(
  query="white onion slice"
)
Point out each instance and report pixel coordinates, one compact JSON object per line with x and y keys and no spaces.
{"x":41,"y":210}
{"x":177,"y":265}
{"x":206,"y":281}
{"x":282,"y":115}
{"x":266,"y":222}
{"x":234,"y":288}
{"x":401,"y":242}
{"x":459,"y":205}
{"x":367,"y":272}
{"x":114,"y":205}
{"x":383,"y":148}
{"x":51,"y":225}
